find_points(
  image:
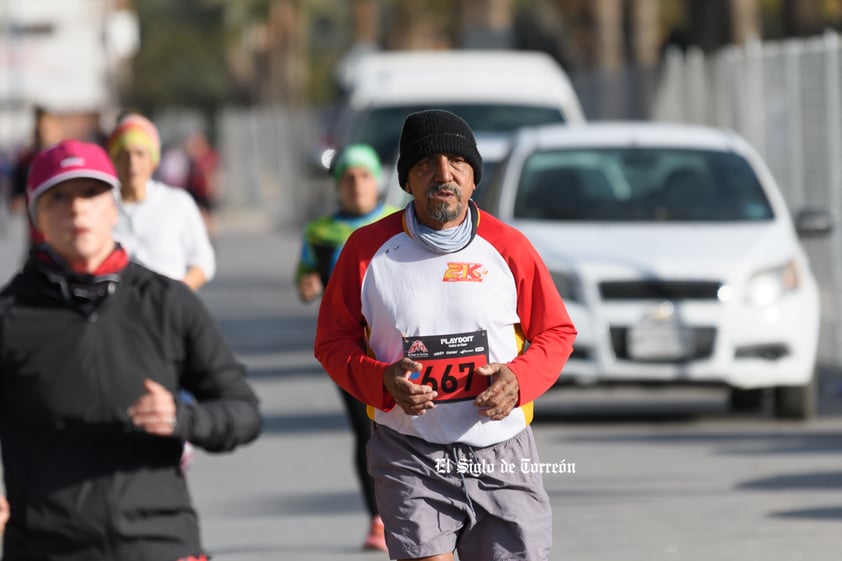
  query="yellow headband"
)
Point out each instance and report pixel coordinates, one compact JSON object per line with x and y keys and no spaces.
{"x":135,"y":129}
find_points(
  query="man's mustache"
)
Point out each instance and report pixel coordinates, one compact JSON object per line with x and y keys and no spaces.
{"x":444,"y":187}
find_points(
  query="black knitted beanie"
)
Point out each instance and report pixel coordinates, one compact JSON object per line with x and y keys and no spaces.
{"x":436,"y":131}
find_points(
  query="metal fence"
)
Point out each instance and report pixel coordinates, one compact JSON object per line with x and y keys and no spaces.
{"x":265,"y":153}
{"x":784,"y":98}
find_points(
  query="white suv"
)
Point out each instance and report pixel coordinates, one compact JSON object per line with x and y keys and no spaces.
{"x":675,"y":253}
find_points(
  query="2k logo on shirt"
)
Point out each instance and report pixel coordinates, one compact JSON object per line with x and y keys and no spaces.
{"x":464,"y":272}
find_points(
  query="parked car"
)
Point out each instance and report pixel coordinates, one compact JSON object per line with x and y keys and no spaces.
{"x":496,"y":92}
{"x":675,"y":253}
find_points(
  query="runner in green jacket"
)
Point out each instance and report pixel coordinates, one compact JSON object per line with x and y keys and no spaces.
{"x":356,"y":171}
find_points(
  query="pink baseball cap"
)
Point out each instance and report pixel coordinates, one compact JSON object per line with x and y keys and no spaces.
{"x":68,"y":159}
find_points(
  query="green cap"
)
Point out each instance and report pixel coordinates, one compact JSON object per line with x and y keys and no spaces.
{"x":355,"y":155}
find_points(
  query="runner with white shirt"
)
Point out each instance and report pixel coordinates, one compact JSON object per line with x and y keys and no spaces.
{"x":159,"y":226}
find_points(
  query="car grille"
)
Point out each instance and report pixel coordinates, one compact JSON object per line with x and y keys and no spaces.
{"x":702,"y":344}
{"x":659,"y":290}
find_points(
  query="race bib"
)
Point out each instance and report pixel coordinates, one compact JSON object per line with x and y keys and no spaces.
{"x":449,"y":362}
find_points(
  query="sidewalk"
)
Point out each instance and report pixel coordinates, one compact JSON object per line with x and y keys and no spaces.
{"x":243,"y":221}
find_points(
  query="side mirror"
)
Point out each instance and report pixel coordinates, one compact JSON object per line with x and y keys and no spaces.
{"x":318,"y":160}
{"x":813,"y":223}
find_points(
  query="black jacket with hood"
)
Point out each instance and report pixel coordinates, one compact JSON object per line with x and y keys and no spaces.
{"x":82,"y":481}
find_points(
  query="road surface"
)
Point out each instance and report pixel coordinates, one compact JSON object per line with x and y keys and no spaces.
{"x":666,"y":475}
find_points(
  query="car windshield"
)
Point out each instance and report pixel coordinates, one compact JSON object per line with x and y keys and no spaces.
{"x":639,"y":184}
{"x":381,"y":127}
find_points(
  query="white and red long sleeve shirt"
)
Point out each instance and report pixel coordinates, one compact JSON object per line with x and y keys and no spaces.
{"x":390,"y":297}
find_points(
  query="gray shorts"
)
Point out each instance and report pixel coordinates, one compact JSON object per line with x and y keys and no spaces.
{"x":437,"y":498}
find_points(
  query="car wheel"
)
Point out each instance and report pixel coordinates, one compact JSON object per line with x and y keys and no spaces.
{"x":796,"y":402}
{"x":746,"y":401}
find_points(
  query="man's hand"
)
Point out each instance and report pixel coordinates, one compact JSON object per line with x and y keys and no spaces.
{"x":502,"y":395}
{"x":154,"y":411}
{"x":309,"y":287}
{"x":414,"y":399}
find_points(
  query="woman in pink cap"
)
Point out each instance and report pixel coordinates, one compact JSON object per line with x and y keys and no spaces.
{"x":94,"y":349}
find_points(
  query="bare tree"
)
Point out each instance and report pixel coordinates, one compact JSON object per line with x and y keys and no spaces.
{"x":645,"y":32}
{"x":801,"y":17}
{"x":416,"y":24}
{"x":708,"y":23}
{"x":745,"y":19}
{"x":286,"y":66}
{"x":608,"y":16}
{"x":366,"y":18}
{"x":483,"y":23}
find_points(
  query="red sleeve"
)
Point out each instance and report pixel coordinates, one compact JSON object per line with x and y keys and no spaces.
{"x":544,"y":320}
{"x":341,"y":344}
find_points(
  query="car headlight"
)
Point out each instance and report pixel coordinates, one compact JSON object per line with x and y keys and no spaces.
{"x":767,"y":287}
{"x":568,"y":286}
{"x":327,"y":157}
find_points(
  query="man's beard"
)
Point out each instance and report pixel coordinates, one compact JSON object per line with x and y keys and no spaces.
{"x":439,"y":211}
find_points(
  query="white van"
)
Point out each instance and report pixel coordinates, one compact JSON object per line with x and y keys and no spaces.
{"x":496,"y":92}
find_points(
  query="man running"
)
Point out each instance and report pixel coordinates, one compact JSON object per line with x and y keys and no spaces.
{"x":447,"y":323}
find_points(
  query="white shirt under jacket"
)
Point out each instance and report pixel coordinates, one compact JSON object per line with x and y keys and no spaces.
{"x":165,"y":232}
